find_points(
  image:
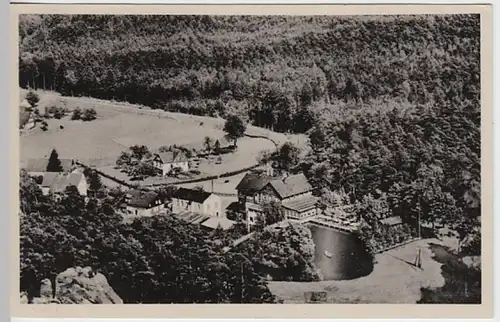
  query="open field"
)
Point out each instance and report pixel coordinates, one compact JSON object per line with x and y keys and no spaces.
{"x":393,"y":280}
{"x":120,"y":125}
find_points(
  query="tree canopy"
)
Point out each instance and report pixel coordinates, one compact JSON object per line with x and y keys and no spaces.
{"x":54,"y":164}
{"x":234,"y":128}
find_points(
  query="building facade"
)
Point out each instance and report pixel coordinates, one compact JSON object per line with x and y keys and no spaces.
{"x":55,"y":182}
{"x":144,"y":203}
{"x":293,"y":193}
{"x":167,"y":161}
{"x":196,"y":201}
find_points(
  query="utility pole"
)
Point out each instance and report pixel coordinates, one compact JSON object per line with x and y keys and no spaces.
{"x":419,"y":223}
{"x":242,"y":281}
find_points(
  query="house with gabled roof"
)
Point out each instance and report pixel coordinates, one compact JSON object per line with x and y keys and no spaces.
{"x":292,"y":192}
{"x":394,"y":221}
{"x":56,"y":183}
{"x":166,"y":161}
{"x":196,"y":201}
{"x":143,"y":203}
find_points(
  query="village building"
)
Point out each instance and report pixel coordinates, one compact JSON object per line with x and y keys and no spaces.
{"x":166,"y":161}
{"x":55,"y":182}
{"x":394,"y":221}
{"x":144,"y":203}
{"x":38,"y":166}
{"x":196,"y":201}
{"x":292,"y":192}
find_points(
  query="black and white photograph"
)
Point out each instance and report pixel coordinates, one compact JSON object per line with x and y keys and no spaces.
{"x":258,"y":159}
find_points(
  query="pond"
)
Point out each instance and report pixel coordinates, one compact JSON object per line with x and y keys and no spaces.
{"x":349,"y":258}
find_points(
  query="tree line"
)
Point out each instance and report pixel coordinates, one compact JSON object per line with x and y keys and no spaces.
{"x":271,"y":69}
{"x":158,"y":259}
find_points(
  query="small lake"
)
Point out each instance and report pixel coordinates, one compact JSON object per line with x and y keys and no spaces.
{"x":349,"y":259}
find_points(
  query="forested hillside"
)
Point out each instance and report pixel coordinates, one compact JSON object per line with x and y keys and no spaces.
{"x":391,"y":107}
{"x":270,"y":69}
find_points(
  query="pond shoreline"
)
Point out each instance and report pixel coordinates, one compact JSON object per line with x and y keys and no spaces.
{"x":349,"y":257}
{"x":393,"y":280}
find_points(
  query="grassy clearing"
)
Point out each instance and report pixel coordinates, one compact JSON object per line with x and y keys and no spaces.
{"x":393,"y":280}
{"x":120,"y":125}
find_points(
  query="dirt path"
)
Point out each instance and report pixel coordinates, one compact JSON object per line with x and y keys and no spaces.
{"x":393,"y":280}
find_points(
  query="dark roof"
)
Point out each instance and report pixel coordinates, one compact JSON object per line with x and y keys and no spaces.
{"x":58,"y":182}
{"x":253,"y":182}
{"x":172,"y":156}
{"x":141,"y":199}
{"x":235,"y":206}
{"x":290,"y":186}
{"x":391,"y":221}
{"x":40,"y":165}
{"x":301,"y":205}
{"x":195,"y":195}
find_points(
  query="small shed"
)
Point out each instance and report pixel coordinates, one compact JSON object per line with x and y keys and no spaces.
{"x":393,"y":221}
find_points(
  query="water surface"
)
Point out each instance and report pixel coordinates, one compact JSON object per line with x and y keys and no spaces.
{"x":349,"y":259}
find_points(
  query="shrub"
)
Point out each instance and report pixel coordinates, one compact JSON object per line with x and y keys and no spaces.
{"x":89,"y":114}
{"x":77,"y":114}
{"x":59,"y":113}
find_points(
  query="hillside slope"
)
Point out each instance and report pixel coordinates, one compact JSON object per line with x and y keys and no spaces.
{"x":270,"y":69}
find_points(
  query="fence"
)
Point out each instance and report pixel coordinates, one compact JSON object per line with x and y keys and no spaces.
{"x":254,"y":136}
{"x":213,"y":177}
{"x":208,"y":178}
{"x":397,"y":245}
{"x":105,"y":175}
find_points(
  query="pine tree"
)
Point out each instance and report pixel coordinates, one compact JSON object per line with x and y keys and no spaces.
{"x":94,"y":181}
{"x":54,"y":164}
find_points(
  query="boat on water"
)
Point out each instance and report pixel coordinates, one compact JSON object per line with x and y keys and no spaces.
{"x":328,"y":254}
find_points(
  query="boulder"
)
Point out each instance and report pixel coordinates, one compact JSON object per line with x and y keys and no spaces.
{"x":84,"y":286}
{"x":46,"y":290}
{"x":75,"y":286}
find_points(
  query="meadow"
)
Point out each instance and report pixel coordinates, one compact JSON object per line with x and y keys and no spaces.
{"x":120,"y":125}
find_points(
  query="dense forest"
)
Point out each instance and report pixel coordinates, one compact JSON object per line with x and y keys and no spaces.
{"x":391,"y":107}
{"x":271,"y":69}
{"x":156,"y":259}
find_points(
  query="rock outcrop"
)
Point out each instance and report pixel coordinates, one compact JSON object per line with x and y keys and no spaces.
{"x":82,"y":285}
{"x":76,"y":285}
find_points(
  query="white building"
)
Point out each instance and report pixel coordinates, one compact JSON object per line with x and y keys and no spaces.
{"x":144,"y":203}
{"x":196,"y":201}
{"x":55,"y":182}
{"x":166,"y":161}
